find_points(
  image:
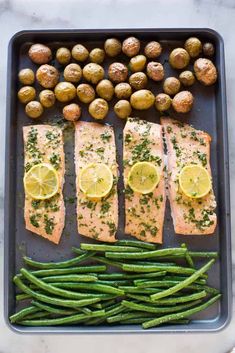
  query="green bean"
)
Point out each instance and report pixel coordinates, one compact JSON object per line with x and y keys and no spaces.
{"x":188,"y":256}
{"x":70,"y":278}
{"x":78,"y":250}
{"x":132,"y":289}
{"x":52,"y":309}
{"x":126,"y":316}
{"x":22,"y":313}
{"x":181,"y":315}
{"x":203,"y":254}
{"x":181,"y":278}
{"x":107,"y":261}
{"x":54,"y":265}
{"x":118,"y":308}
{"x":70,"y":270}
{"x":153,"y":263}
{"x":158,"y":310}
{"x":37,"y":315}
{"x":54,"y":300}
{"x":108,"y":303}
{"x":145,"y":254}
{"x":138,"y":244}
{"x":140,"y":320}
{"x":72,"y":319}
{"x":73,"y":285}
{"x":49,"y":288}
{"x":105,"y":247}
{"x":151,"y":284}
{"x":117,"y":276}
{"x":170,"y":300}
{"x":22,"y":296}
{"x":199,"y":287}
{"x":184,"y":283}
{"x":116,"y":283}
{"x":96,"y":306}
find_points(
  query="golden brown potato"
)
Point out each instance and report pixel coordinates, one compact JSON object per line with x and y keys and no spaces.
{"x":131,"y":46}
{"x":123,"y":90}
{"x":142,"y":99}
{"x":118,"y":72}
{"x":155,"y":71}
{"x":193,"y":46}
{"x":138,"y":80}
{"x":205,"y":71}
{"x":34,"y":109}
{"x":122,"y":109}
{"x":26,"y":94}
{"x":97,"y":55}
{"x":105,"y":90}
{"x":47,"y":76}
{"x":80,"y":53}
{"x":137,"y":63}
{"x":40,"y":54}
{"x":86,"y":93}
{"x":208,"y":49}
{"x":179,"y":58}
{"x":162,"y":102}
{"x":171,"y":85}
{"x":153,"y":49}
{"x":26,"y":76}
{"x":63,"y":55}
{"x":93,"y":73}
{"x":47,"y":98}
{"x":65,"y":91}
{"x":112,"y":47}
{"x":72,"y":112}
{"x":187,"y":78}
{"x":98,"y":108}
{"x":183,"y":102}
{"x":73,"y":73}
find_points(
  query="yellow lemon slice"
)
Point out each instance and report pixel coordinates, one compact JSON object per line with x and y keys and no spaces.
{"x":143,"y":177}
{"x":194,"y":181}
{"x":95,"y":180}
{"x":41,"y":181}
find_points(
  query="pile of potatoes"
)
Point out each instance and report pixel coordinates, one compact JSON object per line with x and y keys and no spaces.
{"x":84,"y":78}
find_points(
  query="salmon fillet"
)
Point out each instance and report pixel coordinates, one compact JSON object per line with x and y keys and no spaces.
{"x":44,"y":144}
{"x":95,"y":143}
{"x":142,"y":141}
{"x":186,"y":145}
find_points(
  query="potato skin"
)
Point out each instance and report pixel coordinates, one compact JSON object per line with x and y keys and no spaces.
{"x":112,"y":47}
{"x":183,"y":102}
{"x":73,"y":73}
{"x":153,"y":49}
{"x":187,"y":78}
{"x":72,"y":112}
{"x":85,"y":92}
{"x":97,"y":55}
{"x":179,"y":58}
{"x":137,"y":63}
{"x":47,"y":76}
{"x":138,"y":80}
{"x":26,"y":94}
{"x":123,"y":90}
{"x":131,"y":46}
{"x":47,"y":98}
{"x":171,"y":85}
{"x":123,"y":109}
{"x":162,"y":102}
{"x":105,"y":89}
{"x":208,"y":49}
{"x":26,"y":76}
{"x":142,"y":99}
{"x":98,"y":109}
{"x":65,"y":91}
{"x":93,"y":73}
{"x":193,"y":46}
{"x":63,"y":56}
{"x":40,"y":54}
{"x":34,"y":109}
{"x":205,"y":71}
{"x":117,"y":72}
{"x":80,"y":53}
{"x":155,"y":71}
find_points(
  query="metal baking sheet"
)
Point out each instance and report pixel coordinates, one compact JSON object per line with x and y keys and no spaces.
{"x":208,"y":113}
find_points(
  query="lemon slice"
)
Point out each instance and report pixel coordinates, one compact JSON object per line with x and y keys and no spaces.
{"x":143,"y":177}
{"x":96,"y":180}
{"x":194,"y":181}
{"x":41,"y":181}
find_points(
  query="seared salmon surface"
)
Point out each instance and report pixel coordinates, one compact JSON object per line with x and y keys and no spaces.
{"x":186,"y":145}
{"x":142,"y":141}
{"x":44,"y":144}
{"x":95,"y":143}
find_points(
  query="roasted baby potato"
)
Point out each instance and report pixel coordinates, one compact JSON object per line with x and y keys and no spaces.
{"x":142,"y":99}
{"x":123,"y":90}
{"x":205,"y":71}
{"x":183,"y":102}
{"x":123,"y":109}
{"x":72,"y":73}
{"x":47,"y":98}
{"x":26,"y":76}
{"x":105,"y":89}
{"x":98,"y":108}
{"x":117,"y":72}
{"x":72,"y":112}
{"x":47,"y":76}
{"x":26,"y":94}
{"x":65,"y":92}
{"x":63,"y":56}
{"x":131,"y":46}
{"x":86,"y":93}
{"x":34,"y":109}
{"x":93,"y":73}
{"x":40,"y":54}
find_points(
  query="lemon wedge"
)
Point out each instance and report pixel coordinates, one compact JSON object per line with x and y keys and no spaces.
{"x":41,"y":181}
{"x":195,"y":181}
{"x":143,"y":177}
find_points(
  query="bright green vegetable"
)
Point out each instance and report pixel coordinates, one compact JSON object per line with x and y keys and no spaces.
{"x":146,"y":254}
{"x":70,"y":278}
{"x":138,"y":244}
{"x":70,"y":270}
{"x":52,"y":309}
{"x":104,"y":247}
{"x":188,"y":256}
{"x":117,"y":276}
{"x":22,"y":313}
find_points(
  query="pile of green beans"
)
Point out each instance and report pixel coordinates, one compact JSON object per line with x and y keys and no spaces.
{"x":131,"y":282}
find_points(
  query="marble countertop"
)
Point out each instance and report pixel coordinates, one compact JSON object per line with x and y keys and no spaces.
{"x":16,"y":15}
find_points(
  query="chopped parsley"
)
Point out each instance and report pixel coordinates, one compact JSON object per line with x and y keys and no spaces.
{"x":34,"y":220}
{"x":55,"y":160}
{"x":202,"y":223}
{"x":106,"y":136}
{"x":175,"y":146}
{"x":169,"y":129}
{"x":49,"y":224}
{"x":202,"y":158}
{"x":112,"y":227}
{"x":128,"y":138}
{"x":35,"y":204}
{"x":105,"y":207}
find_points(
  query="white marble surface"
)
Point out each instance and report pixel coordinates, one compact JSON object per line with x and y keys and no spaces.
{"x":16,"y":15}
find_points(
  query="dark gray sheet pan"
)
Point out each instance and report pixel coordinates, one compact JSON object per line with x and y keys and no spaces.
{"x":209,"y":114}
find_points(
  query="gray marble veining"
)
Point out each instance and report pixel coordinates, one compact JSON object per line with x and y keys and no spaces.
{"x":16,"y":15}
